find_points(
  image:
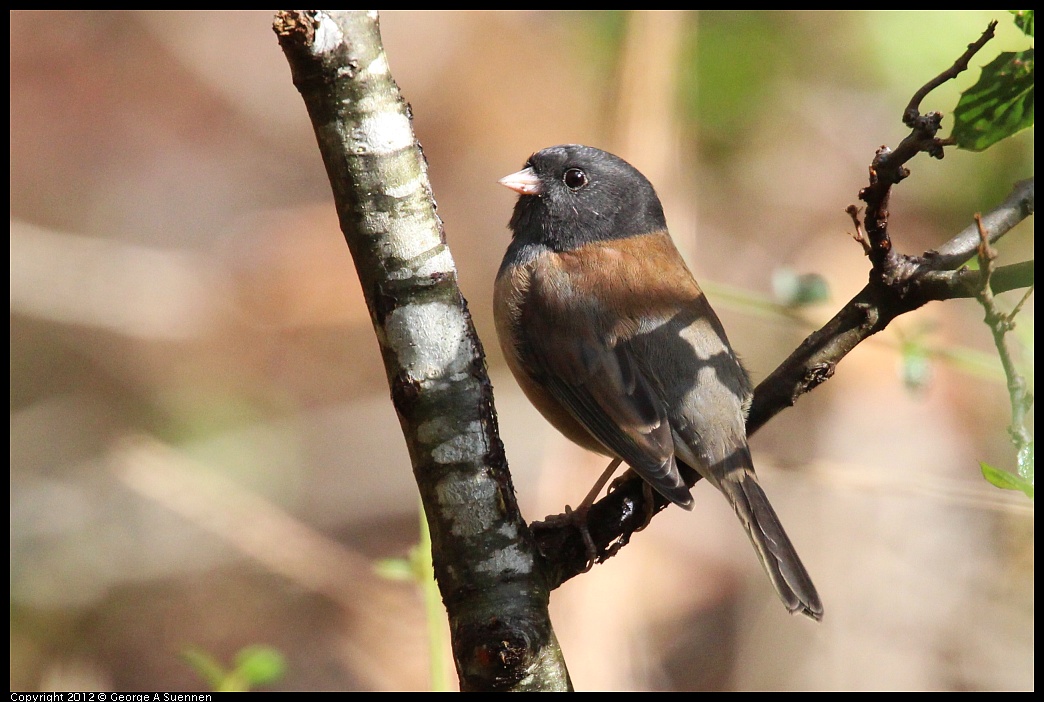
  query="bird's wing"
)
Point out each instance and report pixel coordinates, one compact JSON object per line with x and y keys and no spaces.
{"x":600,"y":383}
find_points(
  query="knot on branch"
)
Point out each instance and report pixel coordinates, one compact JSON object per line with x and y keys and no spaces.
{"x":926,"y":126}
{"x":899,"y":273}
{"x":816,"y":376}
{"x":498,"y":654}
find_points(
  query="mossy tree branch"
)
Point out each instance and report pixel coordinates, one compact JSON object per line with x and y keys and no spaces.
{"x":485,"y":561}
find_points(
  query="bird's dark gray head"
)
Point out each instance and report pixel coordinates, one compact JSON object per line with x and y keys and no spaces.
{"x":571,"y":195}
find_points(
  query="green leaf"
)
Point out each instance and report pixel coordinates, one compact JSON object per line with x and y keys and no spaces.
{"x":260,"y":665}
{"x":998,"y":105}
{"x":1024,"y":20}
{"x":254,"y":665}
{"x":1004,"y":479}
{"x":205,"y":666}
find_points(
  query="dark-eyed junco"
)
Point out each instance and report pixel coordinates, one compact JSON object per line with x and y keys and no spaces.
{"x":611,"y":338}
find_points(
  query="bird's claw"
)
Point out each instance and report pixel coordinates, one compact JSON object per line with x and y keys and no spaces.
{"x":579,"y":520}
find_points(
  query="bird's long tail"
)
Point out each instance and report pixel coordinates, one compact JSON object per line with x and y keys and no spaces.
{"x":777,"y":554}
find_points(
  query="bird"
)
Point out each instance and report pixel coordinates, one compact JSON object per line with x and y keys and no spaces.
{"x":611,"y":338}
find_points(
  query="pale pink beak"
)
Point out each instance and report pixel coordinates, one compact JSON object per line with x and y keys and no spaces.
{"x":525,"y":182}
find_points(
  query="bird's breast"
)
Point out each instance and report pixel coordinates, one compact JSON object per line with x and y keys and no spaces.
{"x":513,"y":294}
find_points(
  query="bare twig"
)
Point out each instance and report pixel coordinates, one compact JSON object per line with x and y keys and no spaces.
{"x":860,"y":233}
{"x":912,"y":111}
{"x":889,"y":166}
{"x":1000,"y":324}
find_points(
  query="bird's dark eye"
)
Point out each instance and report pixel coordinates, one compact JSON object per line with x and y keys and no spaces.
{"x":575,"y":178}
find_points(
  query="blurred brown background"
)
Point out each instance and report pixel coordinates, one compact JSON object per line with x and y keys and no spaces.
{"x":203,"y":452}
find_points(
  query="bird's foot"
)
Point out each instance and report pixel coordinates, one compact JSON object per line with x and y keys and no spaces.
{"x":648,"y":498}
{"x":578,"y":519}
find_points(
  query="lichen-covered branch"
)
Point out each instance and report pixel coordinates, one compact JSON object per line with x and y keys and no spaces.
{"x":487,"y":567}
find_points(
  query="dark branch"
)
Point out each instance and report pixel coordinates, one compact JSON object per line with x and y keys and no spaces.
{"x":911,"y":282}
{"x":965,"y":283}
{"x":998,"y":221}
{"x":959,"y":66}
{"x":898,"y":284}
{"x":889,"y":166}
{"x":917,"y":281}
